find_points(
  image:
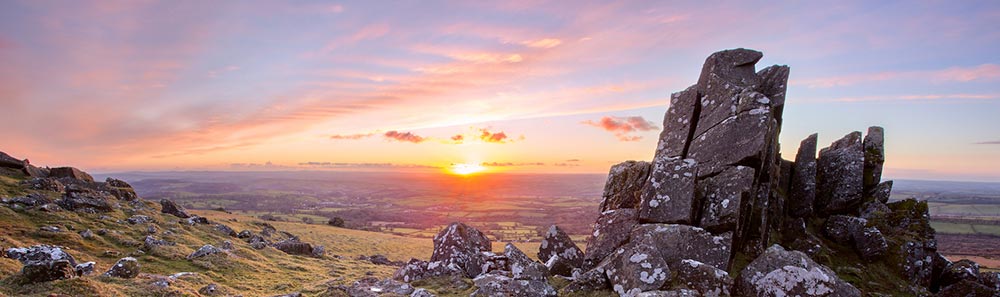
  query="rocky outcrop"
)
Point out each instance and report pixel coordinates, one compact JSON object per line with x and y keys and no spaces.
{"x":840,"y":175}
{"x":205,"y":250}
{"x":83,"y":199}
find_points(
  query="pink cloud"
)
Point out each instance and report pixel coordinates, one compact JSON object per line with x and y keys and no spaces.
{"x":623,"y":126}
{"x":403,"y":136}
{"x":351,"y":136}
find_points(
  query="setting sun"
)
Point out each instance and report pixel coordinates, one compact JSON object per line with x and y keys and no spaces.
{"x":466,"y":169}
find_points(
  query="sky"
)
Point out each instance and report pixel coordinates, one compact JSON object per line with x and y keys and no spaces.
{"x":515,"y":86}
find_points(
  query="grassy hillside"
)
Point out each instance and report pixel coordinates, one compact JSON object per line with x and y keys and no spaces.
{"x":243,"y":270}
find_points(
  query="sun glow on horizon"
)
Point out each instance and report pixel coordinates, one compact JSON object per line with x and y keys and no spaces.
{"x":466,"y":169}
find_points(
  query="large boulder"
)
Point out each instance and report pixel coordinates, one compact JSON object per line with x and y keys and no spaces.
{"x":778,"y":272}
{"x":839,"y":174}
{"x":721,"y":196}
{"x":803,"y":184}
{"x":968,"y":288}
{"x":7,"y":161}
{"x":843,"y":229}
{"x":127,"y":267}
{"x":624,"y":186}
{"x":668,"y":196}
{"x":734,"y":65}
{"x":676,"y":243}
{"x":559,"y":252}
{"x":874,"y":157}
{"x":611,"y":230}
{"x":461,"y":245}
{"x":169,"y":207}
{"x":70,"y":172}
{"x":637,"y":267}
{"x":44,"y":263}
{"x":870,"y":244}
{"x":594,"y":280}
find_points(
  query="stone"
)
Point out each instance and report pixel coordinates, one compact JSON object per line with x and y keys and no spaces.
{"x":138,"y":219}
{"x":778,"y":272}
{"x":967,"y":288}
{"x":43,"y":263}
{"x":294,"y":247}
{"x":706,"y":280}
{"x":32,"y":199}
{"x":882,"y":192}
{"x":991,"y":280}
{"x":86,"y":234}
{"x":257,"y":242}
{"x":839,"y":175}
{"x":874,"y":157}
{"x":127,"y":267}
{"x":84,"y":269}
{"x":203,"y":251}
{"x":209,"y":290}
{"x":52,"y":229}
{"x":193,"y":220}
{"x":222,"y":228}
{"x":122,"y":193}
{"x":874,"y":211}
{"x":843,"y":229}
{"x":637,"y":267}
{"x":117,"y":183}
{"x":227,"y":245}
{"x":803,"y":191}
{"x":8,"y":161}
{"x":870,"y":244}
{"x":150,"y":243}
{"x":45,"y":184}
{"x":624,"y":186}
{"x":590,"y":281}
{"x":675,"y":243}
{"x":370,"y":286}
{"x":915,"y":261}
{"x":318,"y":251}
{"x":671,"y":293}
{"x":677,"y":124}
{"x":169,"y":207}
{"x":79,"y":198}
{"x":461,"y":245}
{"x":735,"y":66}
{"x":522,"y":267}
{"x":498,"y":285}
{"x":70,"y":172}
{"x":611,"y":230}
{"x":557,"y":243}
{"x":721,"y":196}
{"x":416,"y":270}
{"x":961,"y":270}
{"x":668,"y":195}
{"x":421,"y":292}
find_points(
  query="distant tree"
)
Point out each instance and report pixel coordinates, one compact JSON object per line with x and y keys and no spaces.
{"x":307,"y":220}
{"x":336,"y":222}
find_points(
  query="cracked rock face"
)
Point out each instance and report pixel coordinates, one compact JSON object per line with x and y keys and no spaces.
{"x":668,"y":196}
{"x":722,"y":195}
{"x":778,"y":272}
{"x":675,"y":243}
{"x":803,"y":184}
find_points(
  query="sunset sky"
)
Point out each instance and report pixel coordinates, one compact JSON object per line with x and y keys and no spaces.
{"x":517,"y":86}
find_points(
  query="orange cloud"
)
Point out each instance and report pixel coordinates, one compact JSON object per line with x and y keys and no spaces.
{"x":499,"y":137}
{"x":404,"y":137}
{"x":623,"y":126}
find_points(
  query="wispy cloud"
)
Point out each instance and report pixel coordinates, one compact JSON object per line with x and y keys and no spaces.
{"x":351,"y":136}
{"x":315,"y":164}
{"x":989,"y":142}
{"x":511,"y":164}
{"x":984,"y":72}
{"x":912,"y":97}
{"x":622,"y":127}
{"x":543,"y":43}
